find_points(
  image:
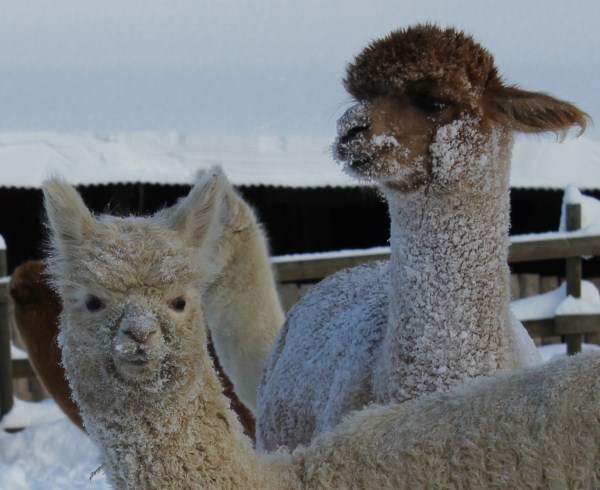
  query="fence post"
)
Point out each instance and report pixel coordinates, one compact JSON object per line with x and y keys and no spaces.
{"x":6,"y":381}
{"x":574,"y":276}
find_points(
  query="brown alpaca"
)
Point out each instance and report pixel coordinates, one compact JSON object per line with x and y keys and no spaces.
{"x":37,"y":312}
{"x":432,"y":126}
{"x":37,"y":309}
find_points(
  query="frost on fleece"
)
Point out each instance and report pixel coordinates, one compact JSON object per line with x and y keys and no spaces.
{"x":433,"y":128}
{"x":450,"y":321}
{"x":165,"y":423}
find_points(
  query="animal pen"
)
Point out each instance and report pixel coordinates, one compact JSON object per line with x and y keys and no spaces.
{"x":297,"y":273}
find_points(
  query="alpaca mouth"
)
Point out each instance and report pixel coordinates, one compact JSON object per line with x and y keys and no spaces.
{"x":355,"y":152}
{"x":133,"y":355}
{"x":141,"y":360}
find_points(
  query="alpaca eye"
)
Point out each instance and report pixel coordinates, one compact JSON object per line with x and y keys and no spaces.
{"x":178,"y":304}
{"x":430,"y":104}
{"x":93,"y":303}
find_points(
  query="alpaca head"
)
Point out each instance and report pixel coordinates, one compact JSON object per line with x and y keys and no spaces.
{"x":425,"y":93}
{"x":131,"y":290}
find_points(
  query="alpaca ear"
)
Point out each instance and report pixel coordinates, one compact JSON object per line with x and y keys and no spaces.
{"x":533,"y":112}
{"x":200,"y":215}
{"x":69,"y":218}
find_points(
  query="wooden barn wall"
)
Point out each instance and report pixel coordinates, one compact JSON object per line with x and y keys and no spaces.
{"x":297,"y":220}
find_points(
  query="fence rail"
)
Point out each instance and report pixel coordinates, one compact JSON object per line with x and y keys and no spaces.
{"x":296,"y":269}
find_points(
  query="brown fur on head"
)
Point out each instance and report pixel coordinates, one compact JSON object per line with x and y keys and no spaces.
{"x":414,"y":82}
{"x":417,"y":55}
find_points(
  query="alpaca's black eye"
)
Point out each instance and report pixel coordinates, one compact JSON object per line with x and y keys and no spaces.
{"x":178,"y":304}
{"x":92,"y":303}
{"x":428,"y":103}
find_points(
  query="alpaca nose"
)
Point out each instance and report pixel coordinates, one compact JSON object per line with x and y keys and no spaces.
{"x":353,"y":122}
{"x":140,"y":327}
{"x":140,"y":335}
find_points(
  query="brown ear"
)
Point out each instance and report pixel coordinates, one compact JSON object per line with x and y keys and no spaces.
{"x":533,"y":112}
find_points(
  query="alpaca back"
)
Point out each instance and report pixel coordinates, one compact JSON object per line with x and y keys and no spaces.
{"x":345,"y":315}
{"x":533,"y":428}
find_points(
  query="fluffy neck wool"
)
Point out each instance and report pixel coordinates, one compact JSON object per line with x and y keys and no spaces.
{"x":449,"y":279}
{"x":185,"y":437}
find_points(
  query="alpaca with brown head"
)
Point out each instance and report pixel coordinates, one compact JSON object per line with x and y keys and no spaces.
{"x":432,"y":126}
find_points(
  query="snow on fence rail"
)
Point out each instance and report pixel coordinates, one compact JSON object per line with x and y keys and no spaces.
{"x":523,"y":248}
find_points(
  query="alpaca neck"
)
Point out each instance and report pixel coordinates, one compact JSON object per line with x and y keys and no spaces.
{"x":449,"y":284}
{"x":242,"y":306}
{"x":186,"y":437}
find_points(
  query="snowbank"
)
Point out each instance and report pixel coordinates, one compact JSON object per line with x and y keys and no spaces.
{"x":167,"y":158}
{"x":50,"y":454}
{"x":556,"y":302}
{"x":268,"y":159}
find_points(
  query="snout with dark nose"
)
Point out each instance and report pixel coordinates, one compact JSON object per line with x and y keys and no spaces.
{"x":355,"y":121}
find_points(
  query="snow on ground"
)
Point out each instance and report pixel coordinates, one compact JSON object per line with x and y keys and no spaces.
{"x":555,"y":351}
{"x":50,"y":454}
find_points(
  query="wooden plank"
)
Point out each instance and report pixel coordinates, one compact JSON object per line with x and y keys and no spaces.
{"x":317,"y":268}
{"x":574,"y":340}
{"x":548,"y":283}
{"x":529,"y":285}
{"x":312,"y":269}
{"x":540,"y":328}
{"x":577,"y":324}
{"x":554,"y":248}
{"x":288,"y":293}
{"x":515,"y":288}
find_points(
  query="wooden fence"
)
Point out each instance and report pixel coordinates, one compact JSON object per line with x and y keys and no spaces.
{"x":296,"y":274}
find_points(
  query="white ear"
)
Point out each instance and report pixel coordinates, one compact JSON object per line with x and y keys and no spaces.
{"x":200,"y":216}
{"x":69,"y":218}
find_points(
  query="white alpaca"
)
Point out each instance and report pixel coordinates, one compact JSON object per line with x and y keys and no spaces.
{"x":133,"y":339}
{"x":242,"y":307}
{"x":433,"y":128}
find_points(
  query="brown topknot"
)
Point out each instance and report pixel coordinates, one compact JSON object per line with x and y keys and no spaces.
{"x":423,"y":52}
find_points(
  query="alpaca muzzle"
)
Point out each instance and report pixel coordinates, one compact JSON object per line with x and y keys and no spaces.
{"x":351,"y":144}
{"x":137,"y":337}
{"x":353,"y":122}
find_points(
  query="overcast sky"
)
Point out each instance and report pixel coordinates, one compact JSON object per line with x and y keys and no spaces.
{"x":268,"y":66}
